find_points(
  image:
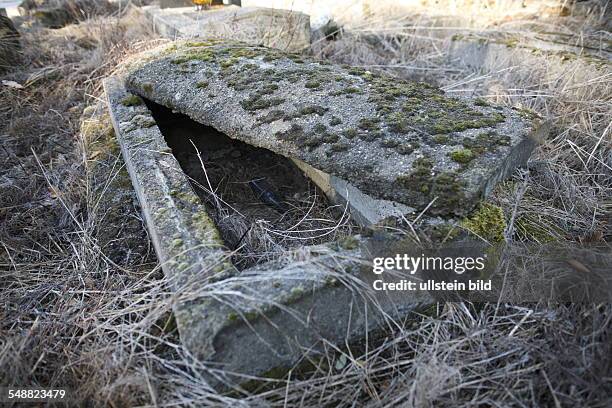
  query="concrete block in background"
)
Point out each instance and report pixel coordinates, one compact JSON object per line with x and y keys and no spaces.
{"x":282,"y":29}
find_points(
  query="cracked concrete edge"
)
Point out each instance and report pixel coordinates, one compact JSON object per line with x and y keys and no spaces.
{"x":266,"y":318}
{"x":186,"y":240}
{"x":176,"y":23}
{"x":364,"y":209}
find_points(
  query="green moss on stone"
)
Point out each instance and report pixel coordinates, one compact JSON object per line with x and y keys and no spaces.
{"x":257,"y":102}
{"x":271,"y":116}
{"x":420,"y":179}
{"x":447,"y":189}
{"x":328,"y":137}
{"x":370,"y":136}
{"x":369,"y":123}
{"x":463,"y":156}
{"x":131,"y":100}
{"x":313,"y":109}
{"x":350,"y":133}
{"x":487,"y":222}
{"x":312,"y":84}
{"x":297,"y":135}
{"x":147,"y":87}
{"x":356,"y":71}
{"x":207,"y":54}
{"x":481,"y":102}
{"x":527,"y":113}
{"x":335,"y":121}
{"x":398,"y":122}
{"x":486,"y":142}
{"x":319,"y":128}
{"x":441,"y":139}
{"x":339,"y":147}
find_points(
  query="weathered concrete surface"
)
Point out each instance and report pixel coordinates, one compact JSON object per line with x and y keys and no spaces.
{"x":175,"y":3}
{"x":392,"y":139}
{"x":272,"y":314}
{"x":367,"y":211}
{"x":262,"y":320}
{"x":285,"y":30}
{"x":547,"y":57}
{"x":185,"y":239}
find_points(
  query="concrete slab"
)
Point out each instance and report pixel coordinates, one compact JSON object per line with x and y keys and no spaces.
{"x":262,"y":320}
{"x":392,"y":139}
{"x":285,"y":30}
{"x":185,"y":239}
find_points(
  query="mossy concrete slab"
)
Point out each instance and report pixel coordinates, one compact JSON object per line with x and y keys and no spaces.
{"x":282,"y":29}
{"x":259,"y":321}
{"x":264,"y":321}
{"x":546,"y":59}
{"x":392,"y":139}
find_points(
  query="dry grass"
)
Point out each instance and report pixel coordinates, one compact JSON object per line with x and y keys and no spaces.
{"x":84,"y":305}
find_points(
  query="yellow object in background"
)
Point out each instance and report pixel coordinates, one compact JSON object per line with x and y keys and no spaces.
{"x":202,"y":4}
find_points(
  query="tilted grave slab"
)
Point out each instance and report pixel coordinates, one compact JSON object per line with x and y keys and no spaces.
{"x":282,"y":29}
{"x":392,"y":139}
{"x":545,"y":57}
{"x":260,"y":320}
{"x":351,"y":128}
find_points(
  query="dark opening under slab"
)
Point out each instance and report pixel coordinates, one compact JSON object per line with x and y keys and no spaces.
{"x":261,"y":202}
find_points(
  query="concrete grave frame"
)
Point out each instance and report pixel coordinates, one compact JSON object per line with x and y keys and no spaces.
{"x":260,"y":320}
{"x":282,"y":29}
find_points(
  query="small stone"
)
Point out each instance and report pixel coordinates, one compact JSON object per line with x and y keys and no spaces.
{"x":282,"y":29}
